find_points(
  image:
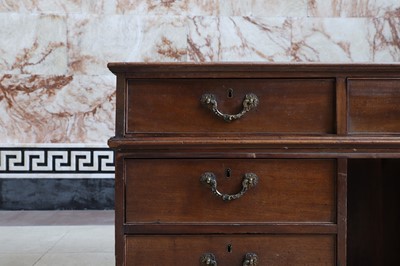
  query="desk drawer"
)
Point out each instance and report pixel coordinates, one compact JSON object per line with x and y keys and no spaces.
{"x":231,"y":250}
{"x":374,"y":106}
{"x":288,"y":190}
{"x":171,"y":106}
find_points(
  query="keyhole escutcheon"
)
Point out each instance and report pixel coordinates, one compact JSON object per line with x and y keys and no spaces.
{"x":228,"y":172}
{"x":230,"y":93}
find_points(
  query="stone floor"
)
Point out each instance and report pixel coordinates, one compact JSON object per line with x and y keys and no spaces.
{"x":56,"y":238}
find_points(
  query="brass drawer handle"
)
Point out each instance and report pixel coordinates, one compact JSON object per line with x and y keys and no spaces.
{"x":208,"y":259}
{"x":210,"y":101}
{"x":249,"y":180}
{"x":250,"y":259}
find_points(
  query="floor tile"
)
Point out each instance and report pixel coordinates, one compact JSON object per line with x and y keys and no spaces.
{"x":27,"y":239}
{"x":77,"y":259}
{"x":18,"y":259}
{"x":85,"y":239}
{"x":57,"y":238}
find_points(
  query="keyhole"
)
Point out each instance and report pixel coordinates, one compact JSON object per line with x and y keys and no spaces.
{"x":228,"y":172}
{"x":230,"y":93}
{"x":229,"y":248}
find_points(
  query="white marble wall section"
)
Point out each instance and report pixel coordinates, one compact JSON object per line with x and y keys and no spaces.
{"x":33,"y":44}
{"x":56,"y":109}
{"x":95,"y":40}
{"x":169,"y":7}
{"x":239,"y":39}
{"x":354,"y":8}
{"x":386,"y":45}
{"x":55,"y":86}
{"x":58,"y":6}
{"x":346,"y":40}
{"x":354,"y":31}
{"x":265,"y":8}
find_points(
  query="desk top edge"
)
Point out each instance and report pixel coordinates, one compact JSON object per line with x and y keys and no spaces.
{"x":125,"y":67}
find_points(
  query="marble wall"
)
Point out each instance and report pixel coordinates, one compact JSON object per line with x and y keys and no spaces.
{"x":54,"y":84}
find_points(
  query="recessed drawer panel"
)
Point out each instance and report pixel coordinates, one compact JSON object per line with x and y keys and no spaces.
{"x":231,"y":250}
{"x":374,"y":106}
{"x":176,"y":190}
{"x":171,"y":106}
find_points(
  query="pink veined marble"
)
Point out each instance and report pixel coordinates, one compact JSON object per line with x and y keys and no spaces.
{"x":56,"y":109}
{"x":354,"y":8}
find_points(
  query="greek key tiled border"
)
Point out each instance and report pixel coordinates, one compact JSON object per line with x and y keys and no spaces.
{"x":69,"y":162}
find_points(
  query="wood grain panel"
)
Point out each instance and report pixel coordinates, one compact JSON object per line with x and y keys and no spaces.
{"x":169,"y":190}
{"x":171,"y":106}
{"x":274,"y":250}
{"x":374,"y":106}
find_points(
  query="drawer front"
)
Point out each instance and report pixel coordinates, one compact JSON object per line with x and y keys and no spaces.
{"x":230,"y":250}
{"x":288,"y":190}
{"x":171,"y":106}
{"x":374,"y":106}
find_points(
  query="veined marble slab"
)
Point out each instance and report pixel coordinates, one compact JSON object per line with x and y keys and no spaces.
{"x":265,"y":8}
{"x":354,"y":8}
{"x":346,"y":40}
{"x":239,"y":39}
{"x":56,"y":109}
{"x":58,"y":6}
{"x":168,"y":7}
{"x":93,"y":41}
{"x":33,"y":44}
